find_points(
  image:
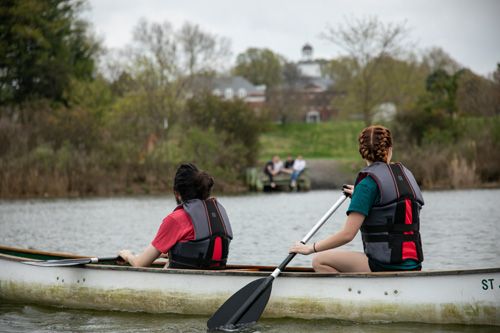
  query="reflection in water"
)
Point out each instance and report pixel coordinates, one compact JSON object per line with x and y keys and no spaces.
{"x":459,"y":229}
{"x":34,"y":318}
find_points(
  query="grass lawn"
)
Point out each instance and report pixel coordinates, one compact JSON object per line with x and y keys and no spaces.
{"x":334,"y":140}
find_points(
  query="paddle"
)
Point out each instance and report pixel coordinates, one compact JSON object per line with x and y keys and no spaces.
{"x":69,"y":262}
{"x":247,"y":304}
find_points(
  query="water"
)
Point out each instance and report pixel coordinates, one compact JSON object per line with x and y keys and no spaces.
{"x":459,"y":231}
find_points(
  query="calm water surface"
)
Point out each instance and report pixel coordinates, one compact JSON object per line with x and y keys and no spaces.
{"x":460,"y":229}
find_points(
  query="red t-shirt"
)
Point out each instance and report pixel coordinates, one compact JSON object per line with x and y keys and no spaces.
{"x":176,"y":227}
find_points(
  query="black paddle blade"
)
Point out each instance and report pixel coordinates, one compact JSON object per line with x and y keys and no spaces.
{"x":244,"y":307}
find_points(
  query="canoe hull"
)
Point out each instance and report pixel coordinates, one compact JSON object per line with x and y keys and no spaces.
{"x":461,"y":297}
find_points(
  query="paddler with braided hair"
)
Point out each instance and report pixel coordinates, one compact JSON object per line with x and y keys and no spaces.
{"x":385,"y":205}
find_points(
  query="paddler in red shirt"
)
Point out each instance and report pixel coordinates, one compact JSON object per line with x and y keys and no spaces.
{"x":196,"y":234}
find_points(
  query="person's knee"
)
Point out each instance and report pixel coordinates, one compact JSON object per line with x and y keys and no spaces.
{"x":317,"y":262}
{"x":324,"y":263}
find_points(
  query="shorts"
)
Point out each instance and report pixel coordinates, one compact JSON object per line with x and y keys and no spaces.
{"x":375,"y":266}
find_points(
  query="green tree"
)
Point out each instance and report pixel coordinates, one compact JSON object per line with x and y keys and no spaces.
{"x":442,"y":88}
{"x":43,"y":45}
{"x":260,"y":66}
{"x":235,"y":121}
{"x":431,"y":119}
{"x":403,"y":81}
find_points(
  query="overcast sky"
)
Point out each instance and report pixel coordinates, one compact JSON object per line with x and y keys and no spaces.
{"x":468,"y":30}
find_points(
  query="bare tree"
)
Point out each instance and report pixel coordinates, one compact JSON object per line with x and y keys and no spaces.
{"x":436,"y":58}
{"x":367,"y":41}
{"x":163,"y":63}
{"x":201,"y":51}
{"x":286,"y":101}
{"x":477,"y":95}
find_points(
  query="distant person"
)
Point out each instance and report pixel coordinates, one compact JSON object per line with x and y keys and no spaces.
{"x":196,"y":234}
{"x":385,"y":205}
{"x":298,"y":167}
{"x":288,"y":167}
{"x":273,"y":168}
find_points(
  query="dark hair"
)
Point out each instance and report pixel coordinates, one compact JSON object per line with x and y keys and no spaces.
{"x":374,"y":143}
{"x":192,"y":183}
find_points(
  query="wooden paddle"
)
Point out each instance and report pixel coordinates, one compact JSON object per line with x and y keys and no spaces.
{"x":247,"y":304}
{"x":69,"y":262}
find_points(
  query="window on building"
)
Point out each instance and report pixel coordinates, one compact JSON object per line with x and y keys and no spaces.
{"x":313,"y":117}
{"x":217,"y":92}
{"x":242,"y":93}
{"x":228,"y":93}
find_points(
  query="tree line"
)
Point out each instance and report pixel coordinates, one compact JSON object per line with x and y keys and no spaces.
{"x":77,"y":119}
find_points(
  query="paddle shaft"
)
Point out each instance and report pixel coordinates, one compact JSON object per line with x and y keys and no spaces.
{"x":249,"y":301}
{"x":96,"y":260}
{"x":311,"y":233}
{"x":69,"y":262}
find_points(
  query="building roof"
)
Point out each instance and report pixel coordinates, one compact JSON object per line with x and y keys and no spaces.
{"x":236,"y":83}
{"x":320,"y":83}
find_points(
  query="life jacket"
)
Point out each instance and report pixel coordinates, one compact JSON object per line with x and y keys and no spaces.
{"x":390,"y":232}
{"x":210,"y":246}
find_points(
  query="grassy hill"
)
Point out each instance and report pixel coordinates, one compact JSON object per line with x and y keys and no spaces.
{"x":329,"y":140}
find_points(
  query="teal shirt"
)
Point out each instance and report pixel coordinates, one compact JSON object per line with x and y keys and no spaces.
{"x":364,"y":197}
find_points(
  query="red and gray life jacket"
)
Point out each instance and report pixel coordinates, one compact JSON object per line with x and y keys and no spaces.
{"x":212,"y":230}
{"x":391,"y":230}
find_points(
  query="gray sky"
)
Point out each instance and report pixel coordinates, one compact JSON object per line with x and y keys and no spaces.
{"x":468,"y":30}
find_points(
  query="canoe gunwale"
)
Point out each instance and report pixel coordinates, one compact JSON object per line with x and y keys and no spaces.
{"x":239,"y":270}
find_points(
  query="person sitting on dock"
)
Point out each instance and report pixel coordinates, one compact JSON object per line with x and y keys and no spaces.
{"x":298,"y":167}
{"x":273,"y":168}
{"x":385,"y":205}
{"x":288,"y":167}
{"x":196,"y":234}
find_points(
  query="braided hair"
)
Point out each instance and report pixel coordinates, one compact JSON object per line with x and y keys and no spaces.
{"x":374,"y":143}
{"x":192,"y":183}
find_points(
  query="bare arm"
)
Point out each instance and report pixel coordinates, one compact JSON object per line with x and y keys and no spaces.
{"x":144,"y":259}
{"x":343,"y":236}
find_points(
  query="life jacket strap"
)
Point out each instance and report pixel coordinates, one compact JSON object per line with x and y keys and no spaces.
{"x":390,"y":228}
{"x":203,"y":261}
{"x":216,"y":224}
{"x":403,"y":186}
{"x":391,"y":239}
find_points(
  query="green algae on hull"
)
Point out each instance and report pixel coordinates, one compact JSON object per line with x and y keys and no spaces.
{"x":157,"y":301}
{"x":376,"y":312}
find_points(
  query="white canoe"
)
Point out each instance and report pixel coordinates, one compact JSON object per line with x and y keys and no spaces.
{"x":460,"y":296}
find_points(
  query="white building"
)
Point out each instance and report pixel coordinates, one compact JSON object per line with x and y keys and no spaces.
{"x":308,"y":67}
{"x":237,"y":87}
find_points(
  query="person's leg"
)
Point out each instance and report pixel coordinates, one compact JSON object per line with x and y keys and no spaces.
{"x":270,"y":175}
{"x":333,"y":261}
{"x":293,"y":179}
